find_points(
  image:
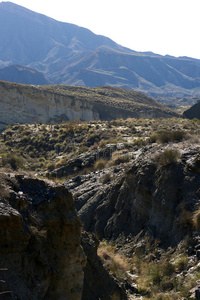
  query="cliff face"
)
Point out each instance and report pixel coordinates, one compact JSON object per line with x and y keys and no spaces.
{"x":40,"y":253}
{"x":21,"y":104}
{"x":54,"y":104}
{"x":43,"y":254}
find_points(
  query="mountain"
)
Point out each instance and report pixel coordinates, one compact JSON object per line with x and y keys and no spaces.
{"x":22,"y":74}
{"x":53,"y":104}
{"x":72,"y":55}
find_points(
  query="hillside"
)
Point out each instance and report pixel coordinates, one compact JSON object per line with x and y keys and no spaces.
{"x":54,"y":104}
{"x":21,"y":74}
{"x":135,"y":184}
{"x":193,"y":112}
{"x":72,"y":55}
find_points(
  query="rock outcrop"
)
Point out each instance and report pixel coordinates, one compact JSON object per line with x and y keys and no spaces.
{"x":43,"y":254}
{"x":40,"y":253}
{"x":146,"y":196}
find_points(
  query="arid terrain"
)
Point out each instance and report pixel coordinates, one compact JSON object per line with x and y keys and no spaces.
{"x":99,"y":155}
{"x":135,"y":185}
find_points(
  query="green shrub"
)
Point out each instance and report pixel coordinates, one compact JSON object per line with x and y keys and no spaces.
{"x":168,"y":157}
{"x":139,"y":142}
{"x":15,"y":161}
{"x":181,"y":263}
{"x":153,"y":138}
{"x":166,"y":136}
{"x":83,"y":148}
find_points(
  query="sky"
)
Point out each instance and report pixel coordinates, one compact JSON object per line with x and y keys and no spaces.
{"x":163,"y":27}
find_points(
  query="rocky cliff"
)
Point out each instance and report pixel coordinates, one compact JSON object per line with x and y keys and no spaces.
{"x":155,"y":193}
{"x":43,"y":254}
{"x":40,"y":254}
{"x":54,"y":104}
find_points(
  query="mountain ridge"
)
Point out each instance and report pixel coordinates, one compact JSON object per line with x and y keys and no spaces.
{"x":68,"y":54}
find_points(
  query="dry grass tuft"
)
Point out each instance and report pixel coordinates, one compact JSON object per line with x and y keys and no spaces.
{"x":196,"y":219}
{"x":115,"y":263}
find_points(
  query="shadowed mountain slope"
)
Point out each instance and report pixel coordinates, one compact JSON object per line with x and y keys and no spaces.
{"x":193,"y":112}
{"x":21,"y":74}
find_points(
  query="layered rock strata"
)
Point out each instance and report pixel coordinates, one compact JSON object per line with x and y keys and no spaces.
{"x":56,"y":104}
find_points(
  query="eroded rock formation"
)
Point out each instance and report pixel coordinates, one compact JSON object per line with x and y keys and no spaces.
{"x":144,"y":196}
{"x":56,"y":104}
{"x":40,"y":253}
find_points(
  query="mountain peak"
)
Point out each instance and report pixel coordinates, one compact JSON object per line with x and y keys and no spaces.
{"x":19,"y":10}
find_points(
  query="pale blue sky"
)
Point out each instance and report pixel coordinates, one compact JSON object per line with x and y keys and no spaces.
{"x":164,"y":27}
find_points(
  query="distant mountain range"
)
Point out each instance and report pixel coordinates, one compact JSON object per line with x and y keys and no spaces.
{"x":49,"y":51}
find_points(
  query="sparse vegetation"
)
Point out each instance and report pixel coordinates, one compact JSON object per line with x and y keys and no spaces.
{"x":57,"y":144}
{"x":155,"y":279}
{"x":105,"y":148}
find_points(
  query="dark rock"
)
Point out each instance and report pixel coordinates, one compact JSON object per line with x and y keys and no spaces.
{"x":198,"y":254}
{"x":40,"y":241}
{"x":145,"y":196}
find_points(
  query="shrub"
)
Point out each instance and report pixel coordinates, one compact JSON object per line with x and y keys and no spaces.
{"x":181,"y":263}
{"x":106,"y":178}
{"x":100,"y":164}
{"x":139,"y":142}
{"x":168,"y":157}
{"x":83,"y":148}
{"x":15,"y":161}
{"x":119,"y":157}
{"x":153,"y":138}
{"x":62,"y":161}
{"x":166,"y":136}
{"x":167,"y":296}
{"x":50,"y":166}
{"x":102,"y":143}
{"x":92,"y":138}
